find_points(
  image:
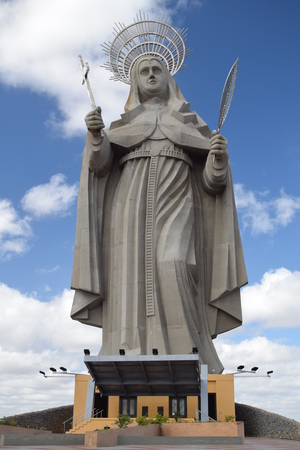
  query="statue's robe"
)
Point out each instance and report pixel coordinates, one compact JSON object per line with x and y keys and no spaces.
{"x":187,"y":230}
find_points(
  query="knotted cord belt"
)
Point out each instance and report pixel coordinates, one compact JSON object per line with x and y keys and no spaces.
{"x":164,"y":152}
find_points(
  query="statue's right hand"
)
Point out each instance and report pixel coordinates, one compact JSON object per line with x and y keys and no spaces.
{"x":93,"y":120}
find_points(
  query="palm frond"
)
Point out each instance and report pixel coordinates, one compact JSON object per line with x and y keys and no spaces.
{"x":227,"y":93}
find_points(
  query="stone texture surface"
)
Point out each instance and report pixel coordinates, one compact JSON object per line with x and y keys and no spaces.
{"x":52,"y":419}
{"x":260,"y":423}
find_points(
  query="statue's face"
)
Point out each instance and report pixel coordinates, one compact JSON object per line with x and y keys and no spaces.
{"x":152,"y":79}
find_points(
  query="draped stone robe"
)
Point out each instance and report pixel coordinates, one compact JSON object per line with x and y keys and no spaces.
{"x":158,"y":258}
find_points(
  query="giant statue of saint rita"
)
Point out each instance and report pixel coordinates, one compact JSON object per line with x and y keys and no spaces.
{"x":158,"y":257}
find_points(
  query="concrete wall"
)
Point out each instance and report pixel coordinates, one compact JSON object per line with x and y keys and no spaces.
{"x":152,"y":403}
{"x":108,"y":438}
{"x":223,"y":387}
{"x":113,"y":406}
{"x":80,"y":391}
{"x":30,"y":441}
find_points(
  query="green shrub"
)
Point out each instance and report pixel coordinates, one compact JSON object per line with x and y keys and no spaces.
{"x":142,"y":420}
{"x":7,"y":421}
{"x":159,"y":419}
{"x":177,"y":416}
{"x":229,"y":418}
{"x":123,"y":420}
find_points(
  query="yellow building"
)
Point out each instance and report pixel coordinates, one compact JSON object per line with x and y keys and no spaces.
{"x":107,"y":408}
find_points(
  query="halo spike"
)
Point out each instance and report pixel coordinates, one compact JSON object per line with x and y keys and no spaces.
{"x":145,"y":37}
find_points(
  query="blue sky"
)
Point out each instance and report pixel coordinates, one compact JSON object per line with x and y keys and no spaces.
{"x":42,"y":107}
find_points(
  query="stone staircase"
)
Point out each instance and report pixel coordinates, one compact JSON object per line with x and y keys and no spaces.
{"x":92,"y":425}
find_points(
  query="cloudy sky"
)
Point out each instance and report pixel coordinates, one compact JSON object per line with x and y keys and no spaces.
{"x":42,"y":106}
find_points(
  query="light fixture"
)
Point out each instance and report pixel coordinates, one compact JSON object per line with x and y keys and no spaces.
{"x":53,"y":370}
{"x":63,"y":369}
{"x":154,"y":351}
{"x":86,"y":352}
{"x":43,"y":373}
{"x":241,"y":370}
{"x":122,"y":351}
{"x":195,"y":350}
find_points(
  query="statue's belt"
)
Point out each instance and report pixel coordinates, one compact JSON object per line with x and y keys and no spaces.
{"x":148,"y":154}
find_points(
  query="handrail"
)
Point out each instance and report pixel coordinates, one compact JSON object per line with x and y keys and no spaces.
{"x":77,"y":420}
{"x":205,"y":415}
{"x":83,"y":411}
{"x":98,"y":412}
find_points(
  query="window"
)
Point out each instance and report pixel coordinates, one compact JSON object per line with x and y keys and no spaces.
{"x":145,"y":411}
{"x":160,"y":410}
{"x":177,"y":404}
{"x":128,"y":406}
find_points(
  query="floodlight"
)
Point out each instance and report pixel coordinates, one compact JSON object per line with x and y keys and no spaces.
{"x":195,"y":350}
{"x":269,"y":372}
{"x":240,"y":367}
{"x":254,"y":369}
{"x":52,"y":369}
{"x":154,"y":351}
{"x":63,"y":369}
{"x":122,"y":351}
{"x":86,"y":352}
{"x":43,"y":373}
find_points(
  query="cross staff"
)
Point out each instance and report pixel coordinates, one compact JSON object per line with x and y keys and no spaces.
{"x":85,"y":68}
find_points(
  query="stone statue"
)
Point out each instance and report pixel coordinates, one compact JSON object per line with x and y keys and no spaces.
{"x":158,"y":257}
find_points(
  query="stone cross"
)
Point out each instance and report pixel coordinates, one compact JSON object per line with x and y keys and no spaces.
{"x":85,"y":68}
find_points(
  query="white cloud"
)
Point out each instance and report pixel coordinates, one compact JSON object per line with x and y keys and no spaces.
{"x":53,"y":198}
{"x":14,"y":232}
{"x":273,"y":303}
{"x":280,"y":393}
{"x":265,"y":216}
{"x":44,"y":40}
{"x":42,"y":271}
{"x":34,"y":336}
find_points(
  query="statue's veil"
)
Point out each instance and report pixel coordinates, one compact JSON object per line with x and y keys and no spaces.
{"x":133,"y":100}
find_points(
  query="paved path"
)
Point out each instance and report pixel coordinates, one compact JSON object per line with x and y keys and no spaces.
{"x":250,"y":444}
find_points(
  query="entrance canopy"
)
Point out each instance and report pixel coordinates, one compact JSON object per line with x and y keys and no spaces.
{"x":171,"y":375}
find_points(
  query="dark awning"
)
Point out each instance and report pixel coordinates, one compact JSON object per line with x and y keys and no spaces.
{"x":172,"y":375}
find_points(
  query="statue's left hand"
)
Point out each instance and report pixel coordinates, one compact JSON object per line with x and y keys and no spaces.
{"x":218,"y":148}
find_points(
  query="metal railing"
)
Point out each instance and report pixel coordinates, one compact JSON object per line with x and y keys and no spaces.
{"x":78,"y":419}
{"x":210,"y":418}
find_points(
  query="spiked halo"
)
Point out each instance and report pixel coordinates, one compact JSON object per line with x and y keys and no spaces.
{"x":145,"y":37}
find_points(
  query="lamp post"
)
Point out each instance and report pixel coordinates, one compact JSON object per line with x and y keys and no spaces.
{"x":241,"y":369}
{"x":62,"y":373}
